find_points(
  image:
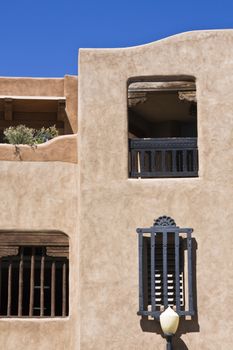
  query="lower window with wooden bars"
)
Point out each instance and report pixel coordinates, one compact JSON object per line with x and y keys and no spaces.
{"x":34,"y":274}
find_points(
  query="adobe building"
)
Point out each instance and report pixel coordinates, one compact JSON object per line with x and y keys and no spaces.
{"x":145,"y":133}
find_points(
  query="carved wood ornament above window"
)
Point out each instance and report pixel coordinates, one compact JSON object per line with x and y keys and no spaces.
{"x":56,"y":243}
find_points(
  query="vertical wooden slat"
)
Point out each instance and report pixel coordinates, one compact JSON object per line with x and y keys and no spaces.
{"x":177,"y":270}
{"x":9,"y":288}
{"x":184,"y":160}
{"x":53,"y":271}
{"x":190,"y":272}
{"x":131,"y":165}
{"x":142,"y":162}
{"x":0,"y":284}
{"x":146,"y":272}
{"x":152,"y":252}
{"x":140,"y":253}
{"x":152,"y":161}
{"x":195,"y":160}
{"x":163,"y":163}
{"x":32,"y":278}
{"x":179,"y":160}
{"x":174,"y":168}
{"x":20,"y":296}
{"x":42,"y":266}
{"x":64,"y":289}
{"x":138,"y":167}
{"x":189,"y":160}
{"x":165,"y":291}
{"x":134,"y":163}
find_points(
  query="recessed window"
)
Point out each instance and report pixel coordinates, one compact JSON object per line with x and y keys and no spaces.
{"x":162,"y":128}
{"x":34,"y":112}
{"x":34,"y":270}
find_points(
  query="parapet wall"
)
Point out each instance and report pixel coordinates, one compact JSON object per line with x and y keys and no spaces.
{"x":59,"y":149}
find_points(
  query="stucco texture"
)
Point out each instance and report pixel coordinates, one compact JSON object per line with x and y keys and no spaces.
{"x":41,"y":196}
{"x":111,"y":206}
{"x":61,"y":148}
{"x":46,"y":87}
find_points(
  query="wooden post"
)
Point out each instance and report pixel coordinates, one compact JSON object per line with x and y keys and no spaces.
{"x":8,"y":109}
{"x":31,"y":302}
{"x":20,"y":297}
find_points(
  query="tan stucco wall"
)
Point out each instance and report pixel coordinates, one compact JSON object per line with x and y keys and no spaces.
{"x":56,"y":87}
{"x":113,"y":206}
{"x":41,"y":196}
{"x":61,"y":148}
{"x":31,"y":86}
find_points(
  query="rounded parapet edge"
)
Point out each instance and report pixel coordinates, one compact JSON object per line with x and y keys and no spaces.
{"x":61,"y":149}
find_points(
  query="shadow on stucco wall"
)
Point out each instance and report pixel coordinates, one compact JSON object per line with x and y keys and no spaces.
{"x":185,"y":326}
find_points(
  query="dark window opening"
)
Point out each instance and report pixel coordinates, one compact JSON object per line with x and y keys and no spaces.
{"x":34,"y":279}
{"x":162,"y":128}
{"x":34,"y":112}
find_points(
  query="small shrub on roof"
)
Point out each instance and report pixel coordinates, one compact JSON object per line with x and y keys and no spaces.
{"x":22,"y":134}
{"x":45,"y":134}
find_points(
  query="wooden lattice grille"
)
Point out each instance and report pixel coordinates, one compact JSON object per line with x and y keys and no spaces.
{"x":34,"y":271}
{"x":158,"y":272}
{"x":165,"y":268}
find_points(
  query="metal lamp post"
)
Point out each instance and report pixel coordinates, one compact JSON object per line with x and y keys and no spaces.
{"x":169,"y":321}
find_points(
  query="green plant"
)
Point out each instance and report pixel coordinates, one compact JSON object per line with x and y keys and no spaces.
{"x":45,"y":134}
{"x":21,"y":134}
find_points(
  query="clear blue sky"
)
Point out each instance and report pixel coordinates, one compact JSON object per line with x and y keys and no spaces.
{"x":42,"y":37}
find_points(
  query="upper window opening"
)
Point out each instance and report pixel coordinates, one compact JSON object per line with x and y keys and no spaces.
{"x":162,"y":128}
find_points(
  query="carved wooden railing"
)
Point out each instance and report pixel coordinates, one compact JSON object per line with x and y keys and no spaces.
{"x":163,"y":157}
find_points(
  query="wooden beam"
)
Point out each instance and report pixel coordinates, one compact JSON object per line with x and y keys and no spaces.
{"x":30,"y":238}
{"x":61,"y":251}
{"x":150,"y":86}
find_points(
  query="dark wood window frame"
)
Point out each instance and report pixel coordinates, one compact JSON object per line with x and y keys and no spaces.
{"x":34,"y":274}
{"x":166,"y":268}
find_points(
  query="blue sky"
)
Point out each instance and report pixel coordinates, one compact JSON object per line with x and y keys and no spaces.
{"x":42,"y":37}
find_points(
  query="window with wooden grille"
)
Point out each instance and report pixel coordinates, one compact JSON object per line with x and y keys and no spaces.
{"x":34,"y":274}
{"x":165,"y":268}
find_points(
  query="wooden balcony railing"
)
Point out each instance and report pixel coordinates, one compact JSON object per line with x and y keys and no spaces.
{"x":163,"y":157}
